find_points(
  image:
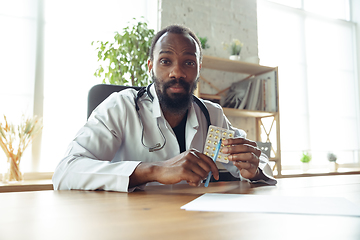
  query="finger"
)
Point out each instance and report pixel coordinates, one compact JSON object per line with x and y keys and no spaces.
{"x":191,"y":177}
{"x":242,"y":148}
{"x":247,"y":170}
{"x":244,"y":157}
{"x":249,"y":174}
{"x":245,"y":165}
{"x":208,"y":163}
{"x":194,"y":184}
{"x":199,"y":164}
{"x":239,"y":140}
{"x":196,"y":169}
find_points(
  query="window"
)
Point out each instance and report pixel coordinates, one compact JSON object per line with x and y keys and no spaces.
{"x":313,"y":43}
{"x":47,"y":44}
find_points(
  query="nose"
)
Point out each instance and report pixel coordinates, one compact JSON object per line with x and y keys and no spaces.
{"x":177,"y":72}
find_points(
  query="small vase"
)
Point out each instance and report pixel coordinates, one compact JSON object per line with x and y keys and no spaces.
{"x":305,"y":166}
{"x":333,"y":166}
{"x":235,"y":57}
{"x":12,"y":172}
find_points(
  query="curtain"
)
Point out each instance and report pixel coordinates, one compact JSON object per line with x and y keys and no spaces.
{"x":313,"y":44}
{"x":68,"y":62}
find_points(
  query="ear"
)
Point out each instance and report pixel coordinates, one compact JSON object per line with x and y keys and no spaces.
{"x":150,"y":65}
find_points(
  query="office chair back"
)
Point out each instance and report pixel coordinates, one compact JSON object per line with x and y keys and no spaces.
{"x":100,"y":92}
{"x":265,"y":147}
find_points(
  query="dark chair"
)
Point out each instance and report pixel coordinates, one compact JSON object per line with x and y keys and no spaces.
{"x":100,"y":92}
{"x":265,"y":147}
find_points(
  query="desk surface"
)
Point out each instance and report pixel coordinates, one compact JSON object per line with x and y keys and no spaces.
{"x":155,"y":213}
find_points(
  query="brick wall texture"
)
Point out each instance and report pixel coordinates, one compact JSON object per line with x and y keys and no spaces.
{"x":219,"y":20}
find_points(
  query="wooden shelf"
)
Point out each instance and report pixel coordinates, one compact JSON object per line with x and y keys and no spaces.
{"x":228,"y":65}
{"x":291,"y":174}
{"x":246,"y":113}
{"x":253,"y":70}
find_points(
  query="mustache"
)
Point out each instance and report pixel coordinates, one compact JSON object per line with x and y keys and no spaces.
{"x":176,"y":81}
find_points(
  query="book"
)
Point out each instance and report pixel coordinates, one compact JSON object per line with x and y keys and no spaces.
{"x":246,"y":97}
{"x":257,"y":94}
{"x":237,"y":94}
{"x":271,"y":95}
{"x":254,"y":94}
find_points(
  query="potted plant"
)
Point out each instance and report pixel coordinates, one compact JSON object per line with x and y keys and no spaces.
{"x":332,"y":159}
{"x":125,"y":59}
{"x":305,"y":159}
{"x":14,"y":140}
{"x":235,"y":48}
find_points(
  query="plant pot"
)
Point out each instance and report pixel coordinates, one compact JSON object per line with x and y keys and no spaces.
{"x":305,"y":166}
{"x":333,"y":166}
{"x":235,"y":57}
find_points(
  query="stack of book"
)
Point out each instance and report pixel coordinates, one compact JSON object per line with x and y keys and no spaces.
{"x":257,"y":94}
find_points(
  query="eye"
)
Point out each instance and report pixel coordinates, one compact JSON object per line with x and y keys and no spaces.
{"x":164,"y":61}
{"x":190,"y":63}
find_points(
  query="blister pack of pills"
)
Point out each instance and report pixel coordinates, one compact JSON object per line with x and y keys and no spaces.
{"x":212,"y":139}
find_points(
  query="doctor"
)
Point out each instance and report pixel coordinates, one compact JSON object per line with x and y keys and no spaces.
{"x":115,"y":149}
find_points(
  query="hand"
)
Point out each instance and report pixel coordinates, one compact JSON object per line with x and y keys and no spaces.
{"x":244,"y":154}
{"x":192,"y":166}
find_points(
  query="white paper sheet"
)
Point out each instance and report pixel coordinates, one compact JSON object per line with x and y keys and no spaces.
{"x":214,"y":202}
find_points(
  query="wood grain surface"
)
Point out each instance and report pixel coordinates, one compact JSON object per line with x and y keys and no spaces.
{"x":155,"y":213}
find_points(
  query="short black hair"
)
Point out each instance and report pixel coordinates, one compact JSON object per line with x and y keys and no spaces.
{"x":178,"y":29}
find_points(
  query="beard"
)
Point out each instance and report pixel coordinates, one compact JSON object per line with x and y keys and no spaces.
{"x":175,"y":103}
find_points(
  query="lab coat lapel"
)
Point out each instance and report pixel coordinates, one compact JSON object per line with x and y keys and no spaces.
{"x":192,"y":125}
{"x":156,"y":106}
{"x":172,"y":145}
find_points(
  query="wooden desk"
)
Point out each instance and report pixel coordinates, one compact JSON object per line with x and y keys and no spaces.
{"x":155,"y":213}
{"x":31,"y":185}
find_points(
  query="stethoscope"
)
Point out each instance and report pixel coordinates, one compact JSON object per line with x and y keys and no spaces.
{"x":159,"y":146}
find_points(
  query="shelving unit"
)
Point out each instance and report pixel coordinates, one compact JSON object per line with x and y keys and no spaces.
{"x":250,"y":69}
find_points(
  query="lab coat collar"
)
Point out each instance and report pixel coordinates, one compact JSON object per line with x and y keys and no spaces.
{"x":192,"y":119}
{"x":192,"y":125}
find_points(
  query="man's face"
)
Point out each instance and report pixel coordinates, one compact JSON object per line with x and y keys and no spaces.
{"x":175,"y":71}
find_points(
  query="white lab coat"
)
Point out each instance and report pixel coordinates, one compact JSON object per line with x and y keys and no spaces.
{"x":108,"y":148}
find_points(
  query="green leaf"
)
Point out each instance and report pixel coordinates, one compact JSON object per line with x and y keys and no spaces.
{"x":127,"y":56}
